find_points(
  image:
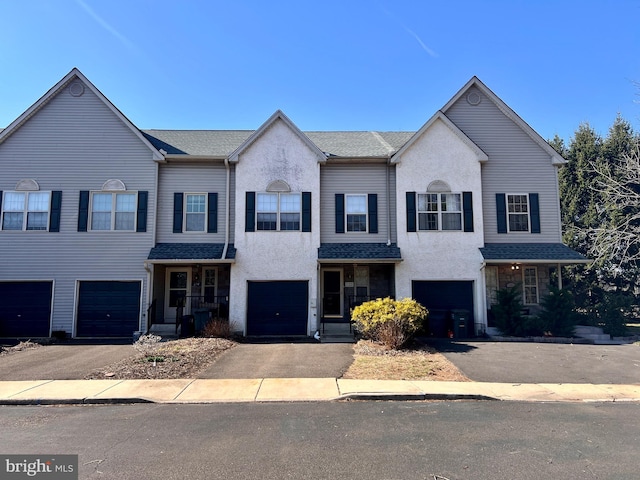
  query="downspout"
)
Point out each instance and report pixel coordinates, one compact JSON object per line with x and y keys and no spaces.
{"x":388,"y":203}
{"x":227,"y":225}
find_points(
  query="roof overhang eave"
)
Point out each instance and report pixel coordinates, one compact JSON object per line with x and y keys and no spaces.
{"x":538,"y":261}
{"x":358,"y":260}
{"x":202,"y":261}
{"x":177,"y":158}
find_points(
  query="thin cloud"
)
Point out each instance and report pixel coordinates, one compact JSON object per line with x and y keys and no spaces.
{"x":417,"y":38}
{"x":106,"y":26}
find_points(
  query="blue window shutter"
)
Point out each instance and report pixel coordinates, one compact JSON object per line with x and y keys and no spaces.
{"x":306,"y":211}
{"x":212,"y":214}
{"x":54,"y":215}
{"x":250,"y":212}
{"x":141,"y":221}
{"x":534,"y":211}
{"x":411,"y":211}
{"x":501,"y":211}
{"x":178,"y":200}
{"x":339,"y":212}
{"x":83,"y":211}
{"x":467,"y":211}
{"x":372,"y":199}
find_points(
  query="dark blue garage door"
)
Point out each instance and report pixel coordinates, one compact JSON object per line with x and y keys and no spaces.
{"x":441,"y":299}
{"x":25,"y":309}
{"x":108,"y":309}
{"x":277,"y":308}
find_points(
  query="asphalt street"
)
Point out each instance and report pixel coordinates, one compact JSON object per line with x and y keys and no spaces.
{"x":338,"y":440}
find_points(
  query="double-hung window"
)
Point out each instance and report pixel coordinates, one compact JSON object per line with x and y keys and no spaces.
{"x":356,"y":213}
{"x":26,"y":210}
{"x":278,"y":211}
{"x":439,"y":211}
{"x":195,"y":212}
{"x":113,"y":211}
{"x":518,"y":213}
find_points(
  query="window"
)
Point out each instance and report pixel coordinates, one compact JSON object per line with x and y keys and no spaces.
{"x":195,"y":212}
{"x":439,"y":211}
{"x":26,"y":210}
{"x":530,"y":285}
{"x":278,"y":211}
{"x":356,"y":213}
{"x":113,"y":211}
{"x":518,"y":213}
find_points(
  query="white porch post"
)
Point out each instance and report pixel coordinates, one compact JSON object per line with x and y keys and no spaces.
{"x":560,"y":276}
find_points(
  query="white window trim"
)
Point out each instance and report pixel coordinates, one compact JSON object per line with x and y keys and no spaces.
{"x":506,"y":199}
{"x":114,"y":195}
{"x":184,"y":214}
{"x":278,"y":212}
{"x":215,"y":285}
{"x":366,"y":212}
{"x":439,"y":212}
{"x":524,"y":286}
{"x":25,"y":211}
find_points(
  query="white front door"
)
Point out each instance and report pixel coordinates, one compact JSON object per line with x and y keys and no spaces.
{"x":177,"y":288}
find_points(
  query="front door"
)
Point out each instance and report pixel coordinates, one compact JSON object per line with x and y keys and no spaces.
{"x":177,"y":288}
{"x":332,"y":300}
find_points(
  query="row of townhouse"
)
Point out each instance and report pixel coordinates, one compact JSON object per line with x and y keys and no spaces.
{"x":107,"y":229}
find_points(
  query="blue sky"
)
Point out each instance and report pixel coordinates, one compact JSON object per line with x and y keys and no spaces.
{"x":330,"y":64}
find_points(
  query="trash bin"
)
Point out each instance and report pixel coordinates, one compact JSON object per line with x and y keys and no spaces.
{"x":461,"y":321}
{"x":187,"y":326}
{"x":201,"y":316}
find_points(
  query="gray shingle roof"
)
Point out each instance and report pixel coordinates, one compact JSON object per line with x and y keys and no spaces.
{"x":190,"y":251}
{"x":358,"y":251}
{"x":555,"y":252}
{"x":221,"y":143}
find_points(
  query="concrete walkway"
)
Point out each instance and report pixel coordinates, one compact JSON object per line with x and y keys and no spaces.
{"x":47,"y":392}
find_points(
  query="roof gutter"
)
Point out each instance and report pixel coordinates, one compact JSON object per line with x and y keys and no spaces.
{"x":537,"y":261}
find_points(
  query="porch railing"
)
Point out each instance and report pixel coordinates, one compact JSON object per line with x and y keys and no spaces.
{"x":217,"y":305}
{"x":151,"y":314}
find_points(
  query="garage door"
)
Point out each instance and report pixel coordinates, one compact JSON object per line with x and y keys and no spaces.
{"x":25,"y":309}
{"x":440,"y":298}
{"x":277,"y":308}
{"x":108,"y":309}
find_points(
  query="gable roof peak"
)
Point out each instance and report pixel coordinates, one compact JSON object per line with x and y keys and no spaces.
{"x":277,"y":115}
{"x":75,"y":73}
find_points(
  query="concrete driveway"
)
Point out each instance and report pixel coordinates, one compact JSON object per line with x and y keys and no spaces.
{"x":61,"y":362}
{"x":522,"y":362}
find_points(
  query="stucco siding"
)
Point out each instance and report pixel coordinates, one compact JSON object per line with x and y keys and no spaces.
{"x":74,"y":144}
{"x":356,"y":178}
{"x":278,"y":154}
{"x":440,"y":255}
{"x":516,"y":164}
{"x":194,"y":178}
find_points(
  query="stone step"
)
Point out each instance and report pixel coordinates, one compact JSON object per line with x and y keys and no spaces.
{"x":595,"y":334}
{"x":337,"y":339}
{"x":587,"y":330}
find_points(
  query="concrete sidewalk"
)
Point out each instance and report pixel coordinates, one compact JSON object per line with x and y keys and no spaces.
{"x":49,"y":392}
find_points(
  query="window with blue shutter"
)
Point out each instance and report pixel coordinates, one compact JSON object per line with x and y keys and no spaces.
{"x":411,"y":211}
{"x":250,"y":212}
{"x":141,"y":214}
{"x":56,"y":207}
{"x":83,"y":211}
{"x":372,"y":200}
{"x":339,"y":212}
{"x":212,"y":213}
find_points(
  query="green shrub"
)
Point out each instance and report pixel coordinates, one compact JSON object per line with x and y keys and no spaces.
{"x":391,"y":322}
{"x":508,"y":311}
{"x":612,"y":311}
{"x":558,"y":315}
